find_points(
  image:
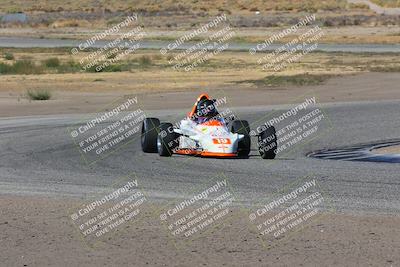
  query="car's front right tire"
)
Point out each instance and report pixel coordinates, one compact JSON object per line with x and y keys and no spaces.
{"x":242,"y":127}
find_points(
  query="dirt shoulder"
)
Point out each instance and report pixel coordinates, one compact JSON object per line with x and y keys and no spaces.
{"x":79,"y":93}
{"x":33,"y":226}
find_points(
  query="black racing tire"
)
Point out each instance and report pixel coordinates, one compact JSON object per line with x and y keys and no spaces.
{"x":267,"y":143}
{"x":149,"y":135}
{"x":242,"y":127}
{"x":167,"y":140}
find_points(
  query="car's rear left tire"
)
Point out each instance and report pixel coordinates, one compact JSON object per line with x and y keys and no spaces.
{"x":149,"y":135}
{"x":167,"y":140}
{"x":242,"y":127}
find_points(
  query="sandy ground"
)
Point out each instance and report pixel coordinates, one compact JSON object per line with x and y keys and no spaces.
{"x":74,"y":94}
{"x":38,"y":232}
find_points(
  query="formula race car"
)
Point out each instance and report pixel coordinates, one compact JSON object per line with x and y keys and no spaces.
{"x":204,"y":132}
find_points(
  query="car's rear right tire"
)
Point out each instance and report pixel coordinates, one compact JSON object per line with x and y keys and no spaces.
{"x":149,"y":135}
{"x":267,"y":143}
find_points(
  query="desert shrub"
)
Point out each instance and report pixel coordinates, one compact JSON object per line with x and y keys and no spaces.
{"x":52,"y":62}
{"x":110,"y":68}
{"x":38,"y":94}
{"x":8,"y":56}
{"x":145,"y":61}
{"x":69,"y":67}
{"x":24,"y":66}
{"x":4,"y":68}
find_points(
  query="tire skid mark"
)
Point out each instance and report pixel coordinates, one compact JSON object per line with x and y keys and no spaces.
{"x":360,"y":152}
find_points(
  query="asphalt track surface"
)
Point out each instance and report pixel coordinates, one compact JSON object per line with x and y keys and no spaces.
{"x":38,"y":158}
{"x":23,"y":42}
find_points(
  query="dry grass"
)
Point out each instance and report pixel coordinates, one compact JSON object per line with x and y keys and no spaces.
{"x":224,"y":70}
{"x":73,"y":23}
{"x":286,"y":80}
{"x":173,"y":5}
{"x":331,"y":39}
{"x":49,"y":61}
{"x":345,"y":35}
{"x":387,"y":3}
{"x":358,"y":6}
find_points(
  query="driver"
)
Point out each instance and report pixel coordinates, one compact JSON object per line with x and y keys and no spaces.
{"x":205,"y":111}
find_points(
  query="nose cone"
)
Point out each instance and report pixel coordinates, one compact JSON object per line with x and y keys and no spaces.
{"x":222,"y":144}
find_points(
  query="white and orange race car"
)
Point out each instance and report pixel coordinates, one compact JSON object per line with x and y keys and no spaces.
{"x":204,"y":132}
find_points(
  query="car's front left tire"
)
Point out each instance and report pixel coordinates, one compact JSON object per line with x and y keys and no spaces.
{"x":167,"y":140}
{"x":149,"y":135}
